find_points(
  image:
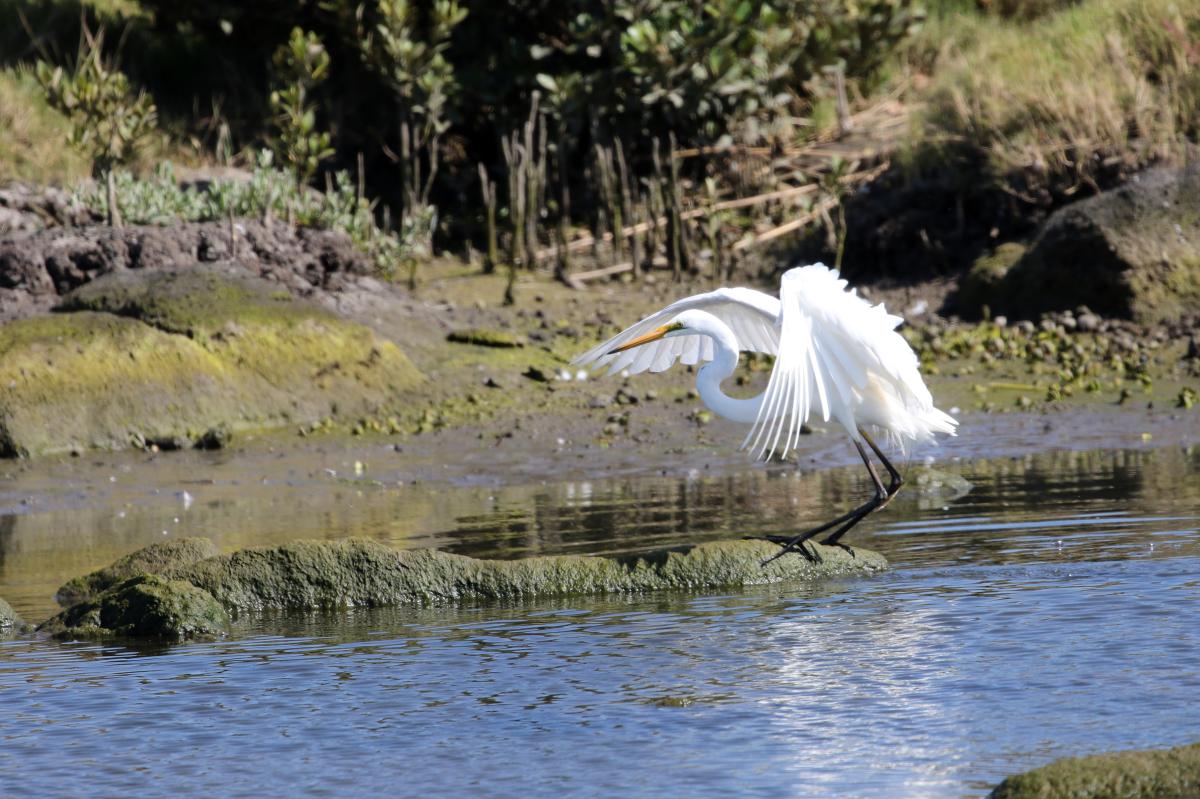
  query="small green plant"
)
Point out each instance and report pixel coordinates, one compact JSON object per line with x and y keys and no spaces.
{"x":1187,"y":398}
{"x":831,"y":182}
{"x":301,"y":64}
{"x":108,"y":120}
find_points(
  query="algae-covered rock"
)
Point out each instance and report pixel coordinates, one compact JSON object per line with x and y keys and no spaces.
{"x":1148,"y":774}
{"x":161,"y":558}
{"x":144,"y":606}
{"x":982,"y":285}
{"x":1133,"y":251}
{"x":361,"y":572}
{"x":169,"y":356}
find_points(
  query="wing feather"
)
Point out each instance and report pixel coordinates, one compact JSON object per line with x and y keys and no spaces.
{"x":841,"y":358}
{"x":752,"y":315}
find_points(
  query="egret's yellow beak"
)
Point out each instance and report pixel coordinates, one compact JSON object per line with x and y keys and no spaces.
{"x":653,"y":335}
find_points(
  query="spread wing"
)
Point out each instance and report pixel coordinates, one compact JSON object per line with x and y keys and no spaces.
{"x":831,"y":343}
{"x":750,"y":314}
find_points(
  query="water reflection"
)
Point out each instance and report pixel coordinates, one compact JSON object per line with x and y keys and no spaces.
{"x":1054,"y":505}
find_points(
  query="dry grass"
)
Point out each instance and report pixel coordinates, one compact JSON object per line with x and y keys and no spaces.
{"x":1095,"y":88}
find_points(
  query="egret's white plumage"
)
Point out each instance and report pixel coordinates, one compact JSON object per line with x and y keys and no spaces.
{"x":836,"y":357}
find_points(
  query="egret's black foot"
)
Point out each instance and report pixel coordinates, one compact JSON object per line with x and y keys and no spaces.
{"x":849,"y":549}
{"x":793,"y":544}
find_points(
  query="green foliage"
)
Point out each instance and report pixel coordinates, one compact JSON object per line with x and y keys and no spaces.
{"x":159,"y":199}
{"x":300,"y":66}
{"x":703,"y":70}
{"x":108,"y":120}
{"x":412,"y":62}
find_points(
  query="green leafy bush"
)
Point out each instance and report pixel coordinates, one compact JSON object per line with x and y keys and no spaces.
{"x":108,"y":119}
{"x":300,"y":66}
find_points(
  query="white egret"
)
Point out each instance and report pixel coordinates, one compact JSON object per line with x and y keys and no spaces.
{"x":836,"y":357}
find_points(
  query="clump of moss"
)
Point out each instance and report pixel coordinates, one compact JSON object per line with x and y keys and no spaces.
{"x":1149,"y":774}
{"x":486,"y":338}
{"x":143,"y":606}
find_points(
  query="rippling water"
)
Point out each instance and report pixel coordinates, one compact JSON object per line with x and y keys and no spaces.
{"x":1053,"y":610}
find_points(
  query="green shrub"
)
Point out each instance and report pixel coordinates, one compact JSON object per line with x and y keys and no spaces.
{"x":108,"y":119}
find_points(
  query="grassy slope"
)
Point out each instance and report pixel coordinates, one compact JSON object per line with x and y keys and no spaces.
{"x":1066,"y":95}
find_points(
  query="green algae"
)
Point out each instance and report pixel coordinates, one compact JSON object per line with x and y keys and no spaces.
{"x":155,"y":559}
{"x":212,"y":356}
{"x":143,"y":606}
{"x":1147,"y":774}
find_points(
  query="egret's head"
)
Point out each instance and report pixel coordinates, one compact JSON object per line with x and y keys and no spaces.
{"x":676,"y":327}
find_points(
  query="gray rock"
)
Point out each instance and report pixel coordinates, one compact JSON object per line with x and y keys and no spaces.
{"x":1132,"y":252}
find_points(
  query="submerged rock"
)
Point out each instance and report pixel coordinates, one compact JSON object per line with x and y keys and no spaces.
{"x":1147,"y":774}
{"x":10,"y":622}
{"x":163,"y":558}
{"x":362,"y":572}
{"x":144,"y":606}
{"x":1133,"y":252}
{"x":167,"y":356}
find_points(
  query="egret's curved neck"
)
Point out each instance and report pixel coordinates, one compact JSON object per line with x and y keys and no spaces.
{"x":724,"y":362}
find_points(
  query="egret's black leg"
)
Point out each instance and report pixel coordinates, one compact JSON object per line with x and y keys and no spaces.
{"x":848,"y":520}
{"x":883,"y":495}
{"x":896,"y":479}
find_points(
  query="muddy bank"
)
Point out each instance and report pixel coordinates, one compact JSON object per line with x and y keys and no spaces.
{"x":177,"y":598}
{"x":185,"y":358}
{"x":1147,"y":774}
{"x":37,"y":268}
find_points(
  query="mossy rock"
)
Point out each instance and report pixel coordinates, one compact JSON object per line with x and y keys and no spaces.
{"x":161,"y":558}
{"x":486,"y":338}
{"x":143,"y":606}
{"x":170,"y":357}
{"x":1133,"y":252}
{"x":983,"y":285}
{"x":1147,"y":774}
{"x":362,"y":572}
